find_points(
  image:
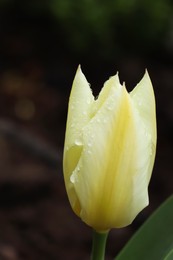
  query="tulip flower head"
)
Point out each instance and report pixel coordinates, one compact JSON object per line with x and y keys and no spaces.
{"x":109,"y":151}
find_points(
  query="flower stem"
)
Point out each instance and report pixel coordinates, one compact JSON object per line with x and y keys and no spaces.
{"x":99,"y":245}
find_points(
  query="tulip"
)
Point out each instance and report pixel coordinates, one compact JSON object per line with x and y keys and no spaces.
{"x":109,"y":151}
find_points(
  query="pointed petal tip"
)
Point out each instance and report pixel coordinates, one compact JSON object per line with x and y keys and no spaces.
{"x":146,"y":72}
{"x":80,"y":75}
{"x":146,"y":75}
{"x":144,"y":83}
{"x":79,"y":68}
{"x":115,"y":78}
{"x":117,"y":74}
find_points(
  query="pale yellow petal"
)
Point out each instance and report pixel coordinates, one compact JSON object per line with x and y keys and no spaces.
{"x":102,"y":174}
{"x":80,"y":101}
{"x":144,"y":100}
{"x":107,"y":91}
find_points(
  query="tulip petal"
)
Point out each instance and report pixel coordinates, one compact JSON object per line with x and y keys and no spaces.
{"x":99,"y":170}
{"x":108,"y":89}
{"x":144,"y":100}
{"x":110,"y":180}
{"x":80,"y":101}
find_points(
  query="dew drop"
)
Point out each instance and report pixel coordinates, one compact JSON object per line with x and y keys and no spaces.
{"x":88,"y":101}
{"x":72,"y":178}
{"x":148,"y":135}
{"x":152,"y":148}
{"x":78,"y":142}
{"x":151,"y":152}
{"x":104,"y":121}
{"x":109,"y":108}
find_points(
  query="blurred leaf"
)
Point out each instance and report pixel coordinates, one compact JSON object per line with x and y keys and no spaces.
{"x":108,"y":25}
{"x":169,"y":256}
{"x":154,"y":240}
{"x":106,"y":28}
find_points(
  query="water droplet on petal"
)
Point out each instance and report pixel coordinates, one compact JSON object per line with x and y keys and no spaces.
{"x":78,"y":142}
{"x":109,"y":108}
{"x":72,"y":178}
{"x":152,"y":149}
{"x":104,"y":120}
{"x":151,"y":152}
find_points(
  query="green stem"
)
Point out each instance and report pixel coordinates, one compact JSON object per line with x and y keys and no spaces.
{"x":99,"y":245}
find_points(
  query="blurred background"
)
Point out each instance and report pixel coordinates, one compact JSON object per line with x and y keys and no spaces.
{"x":41,"y":44}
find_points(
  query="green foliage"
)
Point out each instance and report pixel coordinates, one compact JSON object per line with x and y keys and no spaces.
{"x":113,"y":25}
{"x":154,"y":240}
{"x":107,"y":27}
{"x":169,"y":256}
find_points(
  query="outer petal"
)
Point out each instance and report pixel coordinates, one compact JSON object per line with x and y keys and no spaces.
{"x":144,"y":100}
{"x":80,"y":102}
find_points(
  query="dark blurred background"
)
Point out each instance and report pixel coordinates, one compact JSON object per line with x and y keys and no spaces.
{"x":41,"y":44}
